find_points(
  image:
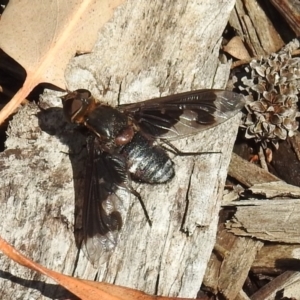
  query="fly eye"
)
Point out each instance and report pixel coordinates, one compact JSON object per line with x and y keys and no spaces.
{"x":71,"y":108}
{"x":76,"y":104}
{"x":83,"y":94}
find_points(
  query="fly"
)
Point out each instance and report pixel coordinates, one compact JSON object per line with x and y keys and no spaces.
{"x":121,"y":146}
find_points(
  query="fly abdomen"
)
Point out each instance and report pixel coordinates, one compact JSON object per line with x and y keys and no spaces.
{"x":146,"y":162}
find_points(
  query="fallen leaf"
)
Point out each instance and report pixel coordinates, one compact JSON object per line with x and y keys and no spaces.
{"x":237,"y":49}
{"x":43,"y":36}
{"x":84,"y":289}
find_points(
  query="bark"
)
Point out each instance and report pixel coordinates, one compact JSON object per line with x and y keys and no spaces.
{"x":269,"y":220}
{"x":251,"y":23}
{"x":230,"y":263}
{"x":148,"y":49}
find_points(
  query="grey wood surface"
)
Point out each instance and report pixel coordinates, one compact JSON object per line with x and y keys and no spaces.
{"x":148,"y":49}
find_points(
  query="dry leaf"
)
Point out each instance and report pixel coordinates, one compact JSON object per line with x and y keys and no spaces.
{"x":85,"y":289}
{"x":237,"y":49}
{"x":43,"y":36}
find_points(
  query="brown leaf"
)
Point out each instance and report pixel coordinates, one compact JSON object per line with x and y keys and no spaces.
{"x":84,"y":289}
{"x":43,"y":36}
{"x":237,"y":49}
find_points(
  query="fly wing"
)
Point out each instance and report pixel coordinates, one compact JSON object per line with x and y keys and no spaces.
{"x":180,"y":115}
{"x":105,"y":194}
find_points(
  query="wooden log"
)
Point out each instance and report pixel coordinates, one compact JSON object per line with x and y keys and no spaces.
{"x":148,"y":49}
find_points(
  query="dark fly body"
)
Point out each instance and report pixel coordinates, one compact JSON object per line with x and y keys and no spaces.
{"x":121,"y":147}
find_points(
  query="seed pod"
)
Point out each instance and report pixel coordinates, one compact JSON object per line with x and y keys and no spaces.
{"x":271,"y":86}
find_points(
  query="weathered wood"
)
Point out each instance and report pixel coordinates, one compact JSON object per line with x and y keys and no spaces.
{"x":275,"y":258}
{"x":276,"y":189}
{"x":242,"y":296}
{"x":290,"y":11}
{"x":229,"y":264}
{"x":277,"y":286}
{"x":148,"y":49}
{"x":252,"y":24}
{"x":285,"y":162}
{"x":270,"y":220}
{"x":292,"y":288}
{"x":236,"y":265}
{"x":248,"y":173}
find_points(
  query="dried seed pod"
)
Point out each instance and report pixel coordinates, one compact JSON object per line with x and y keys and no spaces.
{"x":271,"y":86}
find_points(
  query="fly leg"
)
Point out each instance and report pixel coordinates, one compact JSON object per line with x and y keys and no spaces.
{"x":137,"y":195}
{"x":171,"y":148}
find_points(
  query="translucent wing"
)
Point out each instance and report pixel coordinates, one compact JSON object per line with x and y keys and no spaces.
{"x":104,"y":200}
{"x":180,"y":115}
